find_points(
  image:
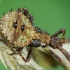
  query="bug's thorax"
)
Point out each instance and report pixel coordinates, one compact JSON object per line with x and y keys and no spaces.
{"x":44,"y":37}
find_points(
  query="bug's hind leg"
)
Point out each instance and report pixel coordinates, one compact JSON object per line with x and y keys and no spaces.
{"x":63,"y":39}
{"x":18,"y":51}
{"x":56,"y":43}
{"x":59,"y":32}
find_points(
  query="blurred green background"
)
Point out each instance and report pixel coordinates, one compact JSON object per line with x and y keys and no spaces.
{"x":50,"y":15}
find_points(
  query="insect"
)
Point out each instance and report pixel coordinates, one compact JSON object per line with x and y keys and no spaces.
{"x":17,"y":27}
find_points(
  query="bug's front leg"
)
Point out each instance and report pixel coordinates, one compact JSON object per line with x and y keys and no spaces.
{"x":17,"y":51}
{"x":28,"y":55}
{"x":34,"y":43}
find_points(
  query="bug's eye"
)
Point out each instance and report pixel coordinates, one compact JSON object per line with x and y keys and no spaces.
{"x":15,"y":24}
{"x":22,"y":27}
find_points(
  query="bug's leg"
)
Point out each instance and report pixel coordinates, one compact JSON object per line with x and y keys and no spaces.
{"x":67,"y":40}
{"x":55,"y":56}
{"x":14,"y":52}
{"x":67,"y":55}
{"x":28,"y":55}
{"x":59,"y":47}
{"x":64,"y":32}
{"x":63,"y":39}
{"x":17,"y":51}
{"x":59,"y":32}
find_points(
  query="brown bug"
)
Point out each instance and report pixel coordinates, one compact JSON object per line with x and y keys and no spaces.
{"x":18,"y":29}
